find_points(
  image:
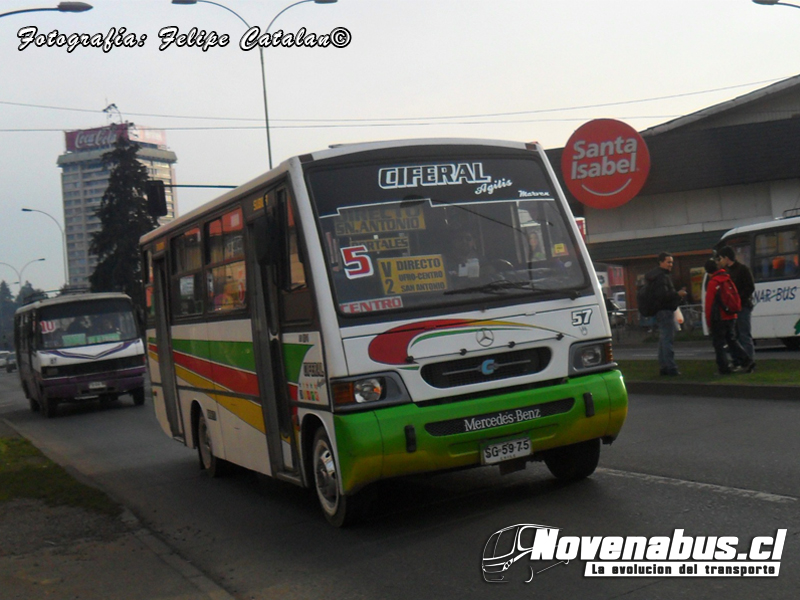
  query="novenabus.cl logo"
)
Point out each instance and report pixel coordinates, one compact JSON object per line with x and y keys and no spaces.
{"x":520,"y":552}
{"x":507,"y":554}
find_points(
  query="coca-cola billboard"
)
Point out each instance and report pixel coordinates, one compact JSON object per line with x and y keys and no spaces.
{"x":93,"y":139}
{"x":105,"y":137}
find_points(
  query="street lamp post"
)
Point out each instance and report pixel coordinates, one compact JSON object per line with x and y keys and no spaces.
{"x":25,"y":266}
{"x":63,"y":239}
{"x":13,"y":269}
{"x":22,"y":270}
{"x":260,"y":52}
{"x":62,"y":7}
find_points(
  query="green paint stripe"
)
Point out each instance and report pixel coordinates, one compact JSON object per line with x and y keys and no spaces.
{"x":293,"y":355}
{"x":232,"y":354}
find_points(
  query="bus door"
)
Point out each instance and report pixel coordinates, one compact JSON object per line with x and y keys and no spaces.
{"x":164,"y":343}
{"x":271,"y":240}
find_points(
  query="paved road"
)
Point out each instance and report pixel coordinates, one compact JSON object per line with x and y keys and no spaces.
{"x":711,"y":467}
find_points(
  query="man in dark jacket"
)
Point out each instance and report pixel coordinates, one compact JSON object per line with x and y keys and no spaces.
{"x":743,"y":280}
{"x":665,"y":299}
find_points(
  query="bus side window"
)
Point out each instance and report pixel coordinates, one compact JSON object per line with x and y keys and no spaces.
{"x":296,"y":295}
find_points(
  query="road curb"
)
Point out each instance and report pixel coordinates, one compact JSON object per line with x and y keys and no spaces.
{"x":174,"y":561}
{"x":715,"y":390}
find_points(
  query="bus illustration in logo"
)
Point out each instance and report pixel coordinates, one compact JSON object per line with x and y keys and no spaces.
{"x":507,"y":554}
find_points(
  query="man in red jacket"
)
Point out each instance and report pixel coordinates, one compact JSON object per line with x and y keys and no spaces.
{"x":722,"y":324}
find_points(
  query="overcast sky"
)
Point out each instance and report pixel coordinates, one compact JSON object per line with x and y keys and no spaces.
{"x":504,"y":69}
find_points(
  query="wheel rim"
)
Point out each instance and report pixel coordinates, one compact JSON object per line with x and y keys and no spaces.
{"x":325,"y":476}
{"x":204,"y":443}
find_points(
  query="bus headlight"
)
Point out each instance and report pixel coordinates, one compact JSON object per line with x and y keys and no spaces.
{"x":592,"y":356}
{"x":50,"y":372}
{"x":369,"y":390}
{"x":362,"y":393}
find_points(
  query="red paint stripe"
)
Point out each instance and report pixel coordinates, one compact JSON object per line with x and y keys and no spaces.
{"x":232,"y":379}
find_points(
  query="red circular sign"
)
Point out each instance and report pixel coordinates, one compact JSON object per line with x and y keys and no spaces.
{"x":605,"y":163}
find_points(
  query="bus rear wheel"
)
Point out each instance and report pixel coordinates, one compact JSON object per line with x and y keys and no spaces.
{"x":573,"y":462}
{"x":339,"y":510}
{"x":215,"y":467}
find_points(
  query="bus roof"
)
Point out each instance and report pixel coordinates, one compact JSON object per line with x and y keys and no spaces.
{"x":73,"y":298}
{"x":332,"y":152}
{"x":774,"y":224}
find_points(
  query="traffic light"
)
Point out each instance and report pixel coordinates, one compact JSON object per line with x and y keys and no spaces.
{"x":156,"y":198}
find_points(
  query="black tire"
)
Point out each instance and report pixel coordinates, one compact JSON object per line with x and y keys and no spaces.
{"x":792,"y":343}
{"x":339,"y":510}
{"x":574,"y":462}
{"x":47,"y":406}
{"x":138,"y":397}
{"x":215,"y":467}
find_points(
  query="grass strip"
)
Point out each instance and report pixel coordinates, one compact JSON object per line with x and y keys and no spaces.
{"x":27,"y":473}
{"x":768,"y":372}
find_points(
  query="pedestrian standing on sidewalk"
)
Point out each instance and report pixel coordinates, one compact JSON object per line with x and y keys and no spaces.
{"x":721,"y":320}
{"x":665,"y":300}
{"x":742,"y":278}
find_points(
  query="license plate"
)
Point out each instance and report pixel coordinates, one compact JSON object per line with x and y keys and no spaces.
{"x":500,"y":451}
{"x":97,"y":385}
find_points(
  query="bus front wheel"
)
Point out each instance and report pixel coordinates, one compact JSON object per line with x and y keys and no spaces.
{"x":573,"y":462}
{"x":215,"y":467}
{"x":340,"y":510}
{"x":48,"y":406}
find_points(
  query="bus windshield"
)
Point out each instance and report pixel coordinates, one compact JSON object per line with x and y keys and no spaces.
{"x":85,"y":323}
{"x":435,"y":232}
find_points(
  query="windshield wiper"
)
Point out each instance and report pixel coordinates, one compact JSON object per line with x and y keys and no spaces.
{"x":493,"y":287}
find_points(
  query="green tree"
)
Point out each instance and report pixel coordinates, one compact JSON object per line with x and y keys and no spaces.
{"x":28,"y":293}
{"x":124,"y":219}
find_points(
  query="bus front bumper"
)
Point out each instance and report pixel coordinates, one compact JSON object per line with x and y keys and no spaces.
{"x":408,"y":439}
{"x":86,"y":387}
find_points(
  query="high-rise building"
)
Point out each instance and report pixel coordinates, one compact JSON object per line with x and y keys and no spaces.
{"x":84,"y":179}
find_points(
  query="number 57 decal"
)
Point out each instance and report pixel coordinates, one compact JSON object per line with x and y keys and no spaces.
{"x":357,"y":262}
{"x":581,"y":317}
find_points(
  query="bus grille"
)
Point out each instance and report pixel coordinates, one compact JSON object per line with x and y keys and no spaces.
{"x":89,"y":368}
{"x":480,"y":369}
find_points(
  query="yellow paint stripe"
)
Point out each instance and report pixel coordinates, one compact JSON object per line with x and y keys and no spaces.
{"x":247,"y":410}
{"x":194,"y":379}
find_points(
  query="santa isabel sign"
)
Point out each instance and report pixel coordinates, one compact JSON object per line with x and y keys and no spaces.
{"x":605,"y":163}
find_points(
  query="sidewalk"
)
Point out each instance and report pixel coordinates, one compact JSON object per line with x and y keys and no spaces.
{"x":633,"y":348}
{"x":65,"y":552}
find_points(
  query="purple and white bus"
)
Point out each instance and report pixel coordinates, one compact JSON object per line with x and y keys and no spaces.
{"x":79,"y":347}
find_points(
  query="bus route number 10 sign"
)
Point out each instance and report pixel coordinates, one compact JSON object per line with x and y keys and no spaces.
{"x":605,"y":163}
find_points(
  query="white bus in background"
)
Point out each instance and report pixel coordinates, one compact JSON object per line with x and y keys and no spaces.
{"x":77,"y":348}
{"x":377,"y":310}
{"x":772,"y":252}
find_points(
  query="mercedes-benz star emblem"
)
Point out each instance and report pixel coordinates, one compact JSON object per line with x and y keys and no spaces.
{"x":485,"y":337}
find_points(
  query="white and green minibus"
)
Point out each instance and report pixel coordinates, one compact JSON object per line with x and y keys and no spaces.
{"x":375,"y":310}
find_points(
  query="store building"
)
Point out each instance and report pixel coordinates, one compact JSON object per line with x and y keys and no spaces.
{"x":84,"y":180}
{"x":734,"y":163}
